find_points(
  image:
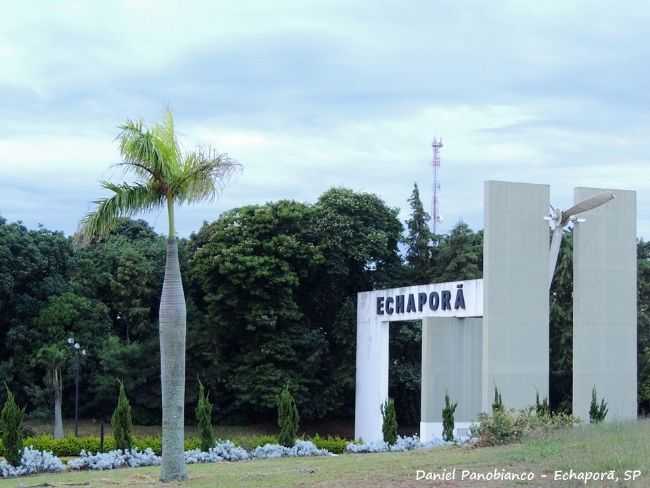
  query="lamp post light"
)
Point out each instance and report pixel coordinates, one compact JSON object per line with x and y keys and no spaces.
{"x":121,"y":316}
{"x":77,"y":352}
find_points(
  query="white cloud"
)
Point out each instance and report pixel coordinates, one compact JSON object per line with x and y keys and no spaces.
{"x":310,"y":95}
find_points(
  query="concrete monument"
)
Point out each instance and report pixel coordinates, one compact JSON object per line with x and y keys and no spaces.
{"x":480,"y":334}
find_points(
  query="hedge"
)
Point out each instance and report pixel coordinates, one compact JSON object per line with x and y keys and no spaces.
{"x":72,"y":446}
{"x":335,"y":445}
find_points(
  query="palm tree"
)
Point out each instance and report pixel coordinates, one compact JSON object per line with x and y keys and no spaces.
{"x":164,"y":176}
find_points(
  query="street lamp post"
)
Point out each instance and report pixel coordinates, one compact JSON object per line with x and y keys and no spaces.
{"x":77,"y":352}
{"x":121,"y":316}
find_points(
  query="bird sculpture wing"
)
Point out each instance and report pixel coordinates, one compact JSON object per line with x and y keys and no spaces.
{"x":586,"y":205}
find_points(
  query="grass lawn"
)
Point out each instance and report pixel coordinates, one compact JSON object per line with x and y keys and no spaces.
{"x":587,"y":448}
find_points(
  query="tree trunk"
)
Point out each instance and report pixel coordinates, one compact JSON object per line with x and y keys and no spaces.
{"x":172,"y":368}
{"x":57,"y":383}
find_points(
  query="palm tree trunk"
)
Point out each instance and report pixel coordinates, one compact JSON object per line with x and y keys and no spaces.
{"x":172,"y":364}
{"x":57,"y":383}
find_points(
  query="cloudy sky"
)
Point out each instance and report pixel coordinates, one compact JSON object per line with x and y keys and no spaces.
{"x":310,"y":95}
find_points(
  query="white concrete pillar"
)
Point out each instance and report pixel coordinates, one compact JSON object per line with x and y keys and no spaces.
{"x":604,"y":306}
{"x":372,"y":370}
{"x":451,"y":362}
{"x":516,"y":298}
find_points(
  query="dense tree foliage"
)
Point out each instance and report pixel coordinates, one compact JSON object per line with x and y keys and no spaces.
{"x":274,"y":286}
{"x":34,"y":266}
{"x":271,"y":292}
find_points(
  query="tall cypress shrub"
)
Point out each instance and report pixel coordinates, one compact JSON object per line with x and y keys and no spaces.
{"x":389,"y":424}
{"x":597,"y":413}
{"x":121,"y":422}
{"x":448,"y":419}
{"x":204,"y":419}
{"x":288,"y":418}
{"x":497,"y":406}
{"x":11,"y":429}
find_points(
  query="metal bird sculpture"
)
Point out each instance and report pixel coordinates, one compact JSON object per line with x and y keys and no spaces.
{"x":559,"y":219}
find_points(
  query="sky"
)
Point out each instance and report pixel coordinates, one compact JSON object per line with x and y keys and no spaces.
{"x":310,"y":95}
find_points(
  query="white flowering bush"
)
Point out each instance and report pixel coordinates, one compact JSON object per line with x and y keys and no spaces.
{"x":375,"y":446}
{"x":114,"y":459}
{"x":228,"y":451}
{"x":300,"y":449}
{"x":196,"y":456}
{"x":407,"y":443}
{"x":32,"y":462}
{"x":222,"y":451}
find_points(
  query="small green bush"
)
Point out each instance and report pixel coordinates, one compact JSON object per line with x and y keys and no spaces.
{"x":122,"y":422}
{"x":288,"y":418}
{"x":542,"y":408}
{"x":505,"y":427}
{"x":11,"y":429}
{"x":502,"y":427}
{"x":448,"y":419}
{"x":252,"y":441}
{"x":498,"y":401}
{"x":547,"y":422}
{"x":335,"y":445}
{"x":389,"y":424}
{"x":204,"y":419}
{"x":597,"y":413}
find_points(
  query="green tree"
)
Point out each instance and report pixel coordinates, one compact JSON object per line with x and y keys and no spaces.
{"x":11,"y":429}
{"x":418,"y":240}
{"x":35,"y":265}
{"x":65,"y":315}
{"x":204,"y":419}
{"x":273,"y":291}
{"x":405,"y":372}
{"x":54,"y":357}
{"x":561,"y":329}
{"x":497,"y":405}
{"x":389,"y":421}
{"x":122,"y":422}
{"x":460,"y":255}
{"x":164,"y":177}
{"x":643,"y":335}
{"x":597,"y":413}
{"x":125,"y":272}
{"x":288,"y":418}
{"x":448,"y":419}
{"x":359,"y":236}
{"x":250,"y":273}
{"x":116,"y":359}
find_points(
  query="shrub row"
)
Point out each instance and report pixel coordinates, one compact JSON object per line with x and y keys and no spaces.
{"x":72,"y":446}
{"x":334,"y":445}
{"x":506,"y":426}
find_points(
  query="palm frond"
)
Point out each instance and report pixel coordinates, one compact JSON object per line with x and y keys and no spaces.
{"x":167,"y":144}
{"x":140,"y":152}
{"x":126,"y":200}
{"x":203,"y":175}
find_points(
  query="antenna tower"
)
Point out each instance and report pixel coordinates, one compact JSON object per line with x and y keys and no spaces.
{"x":435,"y":210}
